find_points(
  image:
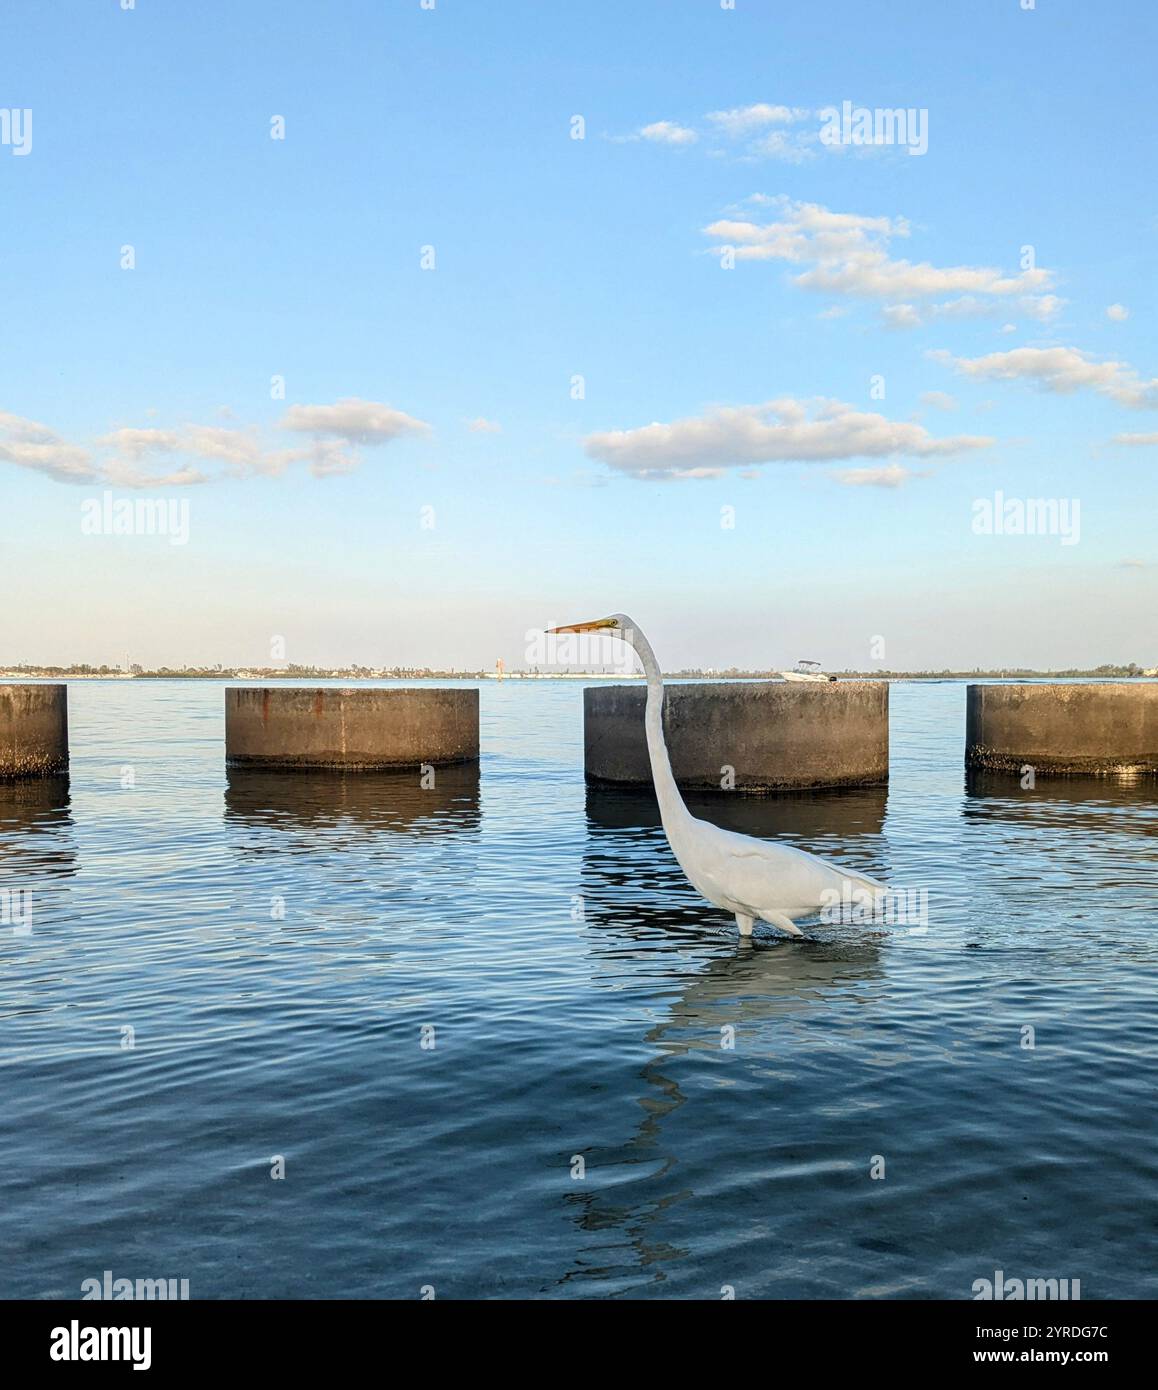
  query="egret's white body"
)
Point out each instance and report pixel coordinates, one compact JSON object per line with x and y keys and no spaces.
{"x":743,"y":875}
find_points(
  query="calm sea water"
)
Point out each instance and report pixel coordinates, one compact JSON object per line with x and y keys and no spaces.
{"x":277,"y":945}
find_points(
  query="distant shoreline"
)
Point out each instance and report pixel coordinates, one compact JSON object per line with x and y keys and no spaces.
{"x":18,"y":673}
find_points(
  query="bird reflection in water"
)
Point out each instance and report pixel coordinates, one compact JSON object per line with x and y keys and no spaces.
{"x":637,"y":902}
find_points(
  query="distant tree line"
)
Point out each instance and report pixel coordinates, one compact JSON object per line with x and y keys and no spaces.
{"x":295,"y":671}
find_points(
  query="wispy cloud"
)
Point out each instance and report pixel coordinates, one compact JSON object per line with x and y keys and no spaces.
{"x":780,"y":431}
{"x":336,"y":429}
{"x":890,"y":475}
{"x":767,"y":131}
{"x":352,"y":420}
{"x":29,"y":444}
{"x":850,"y":254}
{"x":1118,"y":313}
{"x":481,"y":425}
{"x":744,"y":120}
{"x":762,"y":130}
{"x":136,"y":457}
{"x":668,"y":133}
{"x":900,"y":316}
{"x":132,"y":452}
{"x":660,"y":133}
{"x":1060,"y":370}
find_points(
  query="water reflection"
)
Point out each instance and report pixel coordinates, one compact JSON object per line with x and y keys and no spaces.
{"x":356,"y":803}
{"x":843,"y":813}
{"x":1069,"y":803}
{"x":639,"y":907}
{"x":36,"y":828}
{"x":631,"y":880}
{"x":749,"y":999}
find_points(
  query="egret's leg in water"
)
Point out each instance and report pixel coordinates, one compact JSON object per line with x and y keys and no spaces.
{"x":778,"y":919}
{"x":744,"y":922}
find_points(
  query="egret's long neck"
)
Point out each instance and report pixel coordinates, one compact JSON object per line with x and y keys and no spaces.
{"x":671,"y":803}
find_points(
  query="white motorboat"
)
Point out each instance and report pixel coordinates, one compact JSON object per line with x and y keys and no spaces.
{"x":808,"y":671}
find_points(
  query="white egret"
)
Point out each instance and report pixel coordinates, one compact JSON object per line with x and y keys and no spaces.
{"x":743,"y":875}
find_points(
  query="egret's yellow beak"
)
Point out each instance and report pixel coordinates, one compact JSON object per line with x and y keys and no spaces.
{"x":593,"y":626}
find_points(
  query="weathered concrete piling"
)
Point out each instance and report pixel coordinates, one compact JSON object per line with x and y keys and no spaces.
{"x":353,"y":730}
{"x":750,"y":736}
{"x":1060,"y":730}
{"x":33,"y":730}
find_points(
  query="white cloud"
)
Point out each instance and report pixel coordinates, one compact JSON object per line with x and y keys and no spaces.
{"x":1061,"y":370}
{"x":329,"y":457}
{"x":240,"y":450}
{"x":793,"y":147}
{"x":767,"y":131}
{"x":481,"y":425}
{"x":660,"y":133}
{"x":890,"y":475}
{"x":348,"y":422}
{"x":778,"y":431}
{"x":939,"y":400}
{"x":119,"y":472}
{"x":967,"y":306}
{"x":849,"y":254}
{"x":744,"y":120}
{"x":137,"y":457}
{"x":900,"y":316}
{"x":29,"y":444}
{"x":1136,"y":440}
{"x":668,"y":133}
{"x":1118,"y":312}
{"x":356,"y":421}
{"x":1042,"y":307}
{"x":135,"y":444}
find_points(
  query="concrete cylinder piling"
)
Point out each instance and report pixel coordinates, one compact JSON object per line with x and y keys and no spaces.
{"x":756,"y":736}
{"x":33,"y":730}
{"x":748,"y":736}
{"x":1096,"y":729}
{"x":349,"y":730}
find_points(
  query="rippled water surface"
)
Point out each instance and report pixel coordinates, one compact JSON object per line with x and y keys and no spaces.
{"x":273,"y":946}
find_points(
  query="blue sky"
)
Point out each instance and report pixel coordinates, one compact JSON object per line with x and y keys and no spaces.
{"x":451,"y":388}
